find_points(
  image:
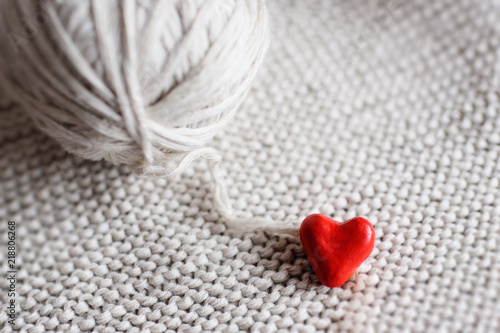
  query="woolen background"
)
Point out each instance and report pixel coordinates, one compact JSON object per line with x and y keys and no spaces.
{"x":388,"y":110}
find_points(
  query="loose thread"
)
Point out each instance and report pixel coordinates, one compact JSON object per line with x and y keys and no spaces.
{"x":223,"y":205}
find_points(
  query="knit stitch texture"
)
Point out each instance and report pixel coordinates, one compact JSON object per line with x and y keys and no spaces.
{"x":385,"y":109}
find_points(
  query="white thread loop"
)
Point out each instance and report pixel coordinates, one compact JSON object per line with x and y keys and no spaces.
{"x":223,"y":205}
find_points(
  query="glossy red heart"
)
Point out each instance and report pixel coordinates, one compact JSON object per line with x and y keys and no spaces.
{"x":336,"y":249}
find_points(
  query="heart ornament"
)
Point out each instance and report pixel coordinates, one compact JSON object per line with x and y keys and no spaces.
{"x":336,"y":249}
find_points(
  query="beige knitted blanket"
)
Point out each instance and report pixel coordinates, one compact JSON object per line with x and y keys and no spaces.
{"x":384,"y":109}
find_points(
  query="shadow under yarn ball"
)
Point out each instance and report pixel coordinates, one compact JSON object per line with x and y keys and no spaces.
{"x":139,"y":82}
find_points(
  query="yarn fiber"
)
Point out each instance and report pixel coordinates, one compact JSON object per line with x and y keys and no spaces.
{"x":138,"y":82}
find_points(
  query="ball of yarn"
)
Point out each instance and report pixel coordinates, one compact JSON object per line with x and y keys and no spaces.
{"x":145,"y":83}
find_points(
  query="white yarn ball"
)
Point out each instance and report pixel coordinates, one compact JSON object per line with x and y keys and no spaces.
{"x":139,"y":82}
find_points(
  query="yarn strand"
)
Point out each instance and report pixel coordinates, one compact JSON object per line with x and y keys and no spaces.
{"x":223,"y":205}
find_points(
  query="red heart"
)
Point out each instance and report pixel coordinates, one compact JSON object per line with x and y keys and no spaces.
{"x":335,"y":250}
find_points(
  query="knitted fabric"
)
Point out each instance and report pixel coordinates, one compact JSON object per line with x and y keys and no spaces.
{"x":387,"y":110}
